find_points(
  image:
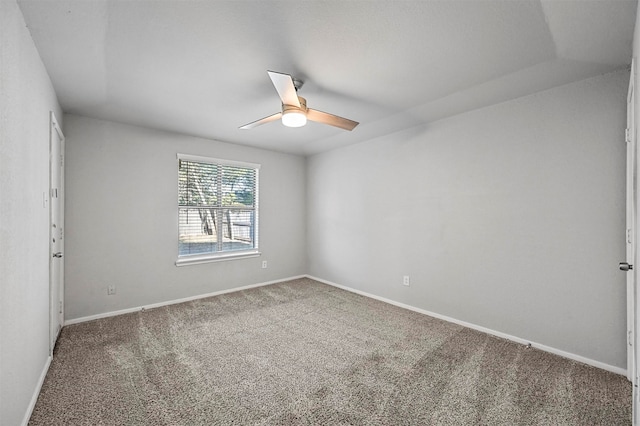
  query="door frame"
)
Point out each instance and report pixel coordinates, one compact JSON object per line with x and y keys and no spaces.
{"x":56,"y":200}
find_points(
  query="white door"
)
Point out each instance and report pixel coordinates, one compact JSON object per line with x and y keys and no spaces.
{"x":56,"y":231}
{"x":633,"y":354}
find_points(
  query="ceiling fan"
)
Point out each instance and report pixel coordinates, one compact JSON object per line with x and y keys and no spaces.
{"x":294,"y":108}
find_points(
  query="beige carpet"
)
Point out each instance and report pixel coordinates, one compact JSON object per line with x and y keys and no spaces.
{"x":304,"y":353}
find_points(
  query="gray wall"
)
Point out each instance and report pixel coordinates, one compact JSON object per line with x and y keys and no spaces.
{"x":509,"y":217}
{"x":26,"y":97}
{"x":121,"y":214}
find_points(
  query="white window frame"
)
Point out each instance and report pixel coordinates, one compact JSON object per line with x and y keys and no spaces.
{"x":224,"y":255}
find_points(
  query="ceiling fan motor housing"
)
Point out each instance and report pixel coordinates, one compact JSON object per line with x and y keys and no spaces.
{"x":303,"y":106}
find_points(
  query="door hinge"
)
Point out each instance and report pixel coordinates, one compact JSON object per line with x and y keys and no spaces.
{"x":60,"y":307}
{"x":627,"y":135}
{"x":629,"y":235}
{"x":630,"y":337}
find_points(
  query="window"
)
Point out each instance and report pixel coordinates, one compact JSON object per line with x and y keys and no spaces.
{"x":217,"y":209}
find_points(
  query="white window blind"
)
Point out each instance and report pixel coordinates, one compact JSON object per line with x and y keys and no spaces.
{"x":217,"y":207}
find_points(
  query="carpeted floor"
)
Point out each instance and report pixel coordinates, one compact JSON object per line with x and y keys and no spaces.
{"x":304,"y":353}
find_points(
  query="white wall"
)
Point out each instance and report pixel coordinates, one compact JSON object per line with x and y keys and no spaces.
{"x":26,"y":97}
{"x":509,"y":217}
{"x":121,"y":215}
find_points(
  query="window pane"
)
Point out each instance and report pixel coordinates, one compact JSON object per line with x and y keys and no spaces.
{"x":197,"y":231}
{"x":238,"y":186}
{"x":238,"y":230}
{"x":197,"y":184}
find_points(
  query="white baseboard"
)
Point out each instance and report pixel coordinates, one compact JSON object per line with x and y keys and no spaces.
{"x":173,"y":302}
{"x":559,"y":352}
{"x":564,"y":354}
{"x":36,"y":392}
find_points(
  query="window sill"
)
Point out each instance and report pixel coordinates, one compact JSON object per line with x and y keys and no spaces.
{"x":208,"y":258}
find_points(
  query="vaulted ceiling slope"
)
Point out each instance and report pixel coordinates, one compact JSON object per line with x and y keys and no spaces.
{"x":200,"y":67}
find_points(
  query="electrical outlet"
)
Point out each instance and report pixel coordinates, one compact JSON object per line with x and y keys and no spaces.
{"x":405,"y":280}
{"x":264,"y":264}
{"x":111,"y":290}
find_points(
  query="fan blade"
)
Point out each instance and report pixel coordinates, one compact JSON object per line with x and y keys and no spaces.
{"x":285,"y":88}
{"x":330,"y":119}
{"x":265,"y":120}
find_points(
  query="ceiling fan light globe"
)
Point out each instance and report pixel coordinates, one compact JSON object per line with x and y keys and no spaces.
{"x":294,"y":118}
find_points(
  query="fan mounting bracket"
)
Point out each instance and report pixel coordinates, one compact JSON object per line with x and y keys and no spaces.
{"x":297,"y":83}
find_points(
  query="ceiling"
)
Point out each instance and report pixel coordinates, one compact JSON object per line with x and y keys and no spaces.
{"x":200,"y":67}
